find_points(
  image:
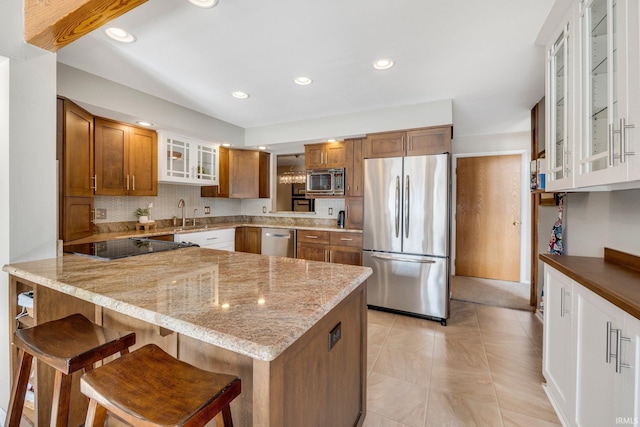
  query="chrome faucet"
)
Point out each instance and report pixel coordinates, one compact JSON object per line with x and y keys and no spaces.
{"x":181,"y":205}
{"x":194,"y":217}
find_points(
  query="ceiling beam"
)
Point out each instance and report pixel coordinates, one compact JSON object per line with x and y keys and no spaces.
{"x":52,"y":25}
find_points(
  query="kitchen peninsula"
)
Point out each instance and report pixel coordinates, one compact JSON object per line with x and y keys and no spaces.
{"x":293,"y":330}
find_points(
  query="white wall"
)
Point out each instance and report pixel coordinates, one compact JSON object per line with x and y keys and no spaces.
{"x":4,"y":227}
{"x":597,"y":220}
{"x":502,"y":144}
{"x":105,"y":98}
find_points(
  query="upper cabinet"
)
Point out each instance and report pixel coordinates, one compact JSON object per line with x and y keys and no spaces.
{"x":244,"y":174}
{"x":325,"y":155}
{"x":559,"y":73}
{"x":593,"y":92}
{"x":186,"y":160}
{"x":417,"y":142}
{"x":126,"y":159}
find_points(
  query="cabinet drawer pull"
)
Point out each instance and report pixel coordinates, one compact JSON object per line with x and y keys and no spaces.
{"x":212,"y":238}
{"x":311,"y":237}
{"x":345,"y":239}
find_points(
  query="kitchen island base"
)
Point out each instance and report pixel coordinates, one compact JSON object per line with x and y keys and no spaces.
{"x":318,"y":380}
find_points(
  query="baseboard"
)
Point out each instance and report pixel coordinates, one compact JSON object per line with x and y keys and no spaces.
{"x":559,"y":413}
{"x":539,"y":316}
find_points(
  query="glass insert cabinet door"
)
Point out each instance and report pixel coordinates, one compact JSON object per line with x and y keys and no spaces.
{"x":178,"y":164}
{"x":205,"y":169}
{"x":558,"y":63}
{"x":604,"y":86}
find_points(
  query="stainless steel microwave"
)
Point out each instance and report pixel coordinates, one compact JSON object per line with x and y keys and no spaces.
{"x":326,"y":182}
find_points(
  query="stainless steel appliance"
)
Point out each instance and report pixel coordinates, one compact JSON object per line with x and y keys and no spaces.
{"x":278,"y":242}
{"x":327,"y":182}
{"x":406,"y":234}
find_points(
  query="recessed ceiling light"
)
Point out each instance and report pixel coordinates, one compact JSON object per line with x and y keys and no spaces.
{"x":383,"y":64}
{"x":240,"y":95}
{"x":206,"y":4}
{"x":120,"y":35}
{"x":262,"y":147}
{"x":143,"y":123}
{"x":226,"y":144}
{"x":331,"y":140}
{"x":303,"y":81}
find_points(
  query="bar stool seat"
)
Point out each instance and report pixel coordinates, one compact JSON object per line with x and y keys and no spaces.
{"x":67,"y":345}
{"x":148,"y":387}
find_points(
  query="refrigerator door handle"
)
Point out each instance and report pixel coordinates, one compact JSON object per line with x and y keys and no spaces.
{"x":397,"y":206}
{"x":392,"y":258}
{"x":406,"y":206}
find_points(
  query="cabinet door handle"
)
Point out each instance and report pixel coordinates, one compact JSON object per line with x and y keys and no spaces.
{"x":133,"y":180}
{"x":94,"y":187}
{"x":623,"y":141}
{"x":127,"y":182}
{"x":609,"y":355}
{"x":619,"y":339}
{"x":563,"y":300}
{"x":610,"y":144}
{"x":93,"y":216}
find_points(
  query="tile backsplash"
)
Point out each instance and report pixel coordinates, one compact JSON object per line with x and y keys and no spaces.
{"x":165,"y":205}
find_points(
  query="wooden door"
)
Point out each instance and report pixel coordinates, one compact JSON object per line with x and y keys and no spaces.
{"x":488,"y":192}
{"x":354,"y":212}
{"x":78,"y":218}
{"x":354,"y":176}
{"x":143,"y":162}
{"x":111,"y":158}
{"x":78,"y":151}
{"x":314,"y":156}
{"x":264,"y":176}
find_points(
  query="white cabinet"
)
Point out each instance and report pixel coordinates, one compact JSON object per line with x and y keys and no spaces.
{"x":605,"y":99}
{"x":591,"y":355}
{"x":223,"y":239}
{"x":598,"y":388}
{"x":185,"y":160}
{"x":560,"y":106}
{"x":559,"y":352}
{"x":593,"y":93}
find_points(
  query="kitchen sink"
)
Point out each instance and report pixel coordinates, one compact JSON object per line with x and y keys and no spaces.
{"x":191,"y":227}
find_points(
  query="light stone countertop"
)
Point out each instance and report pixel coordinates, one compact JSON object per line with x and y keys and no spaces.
{"x":251,"y":304}
{"x":100,"y":237}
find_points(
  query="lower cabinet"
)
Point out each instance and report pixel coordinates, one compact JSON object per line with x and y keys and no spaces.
{"x":590,"y":356}
{"x":249,"y":239}
{"x":559,"y":354}
{"x":330,"y":246}
{"x":222,"y":239}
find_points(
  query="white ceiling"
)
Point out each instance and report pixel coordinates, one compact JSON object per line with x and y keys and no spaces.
{"x":480,"y":54}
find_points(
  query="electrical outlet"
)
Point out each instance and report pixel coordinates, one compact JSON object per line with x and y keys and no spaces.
{"x":101,"y":214}
{"x":334,"y":335}
{"x":330,"y":211}
{"x":264,"y":209}
{"x":207,"y":210}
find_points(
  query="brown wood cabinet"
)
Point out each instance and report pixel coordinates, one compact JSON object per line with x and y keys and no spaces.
{"x":415,"y":142}
{"x":330,"y":246}
{"x":126,"y":159}
{"x":75,"y":154}
{"x":249,"y":239}
{"x":354,"y":213}
{"x":354,"y":168}
{"x":244,"y":174}
{"x":325,"y":155}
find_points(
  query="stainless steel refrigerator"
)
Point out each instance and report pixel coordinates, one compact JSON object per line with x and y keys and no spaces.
{"x":406,"y":234}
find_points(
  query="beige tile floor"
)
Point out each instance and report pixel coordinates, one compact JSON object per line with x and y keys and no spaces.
{"x":482,"y":369}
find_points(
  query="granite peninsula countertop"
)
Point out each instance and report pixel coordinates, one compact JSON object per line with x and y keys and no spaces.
{"x":251,"y":304}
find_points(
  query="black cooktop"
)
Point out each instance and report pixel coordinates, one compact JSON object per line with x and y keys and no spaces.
{"x":122,"y":248}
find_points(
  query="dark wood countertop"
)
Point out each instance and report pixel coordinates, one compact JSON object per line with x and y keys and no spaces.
{"x":616,"y":277}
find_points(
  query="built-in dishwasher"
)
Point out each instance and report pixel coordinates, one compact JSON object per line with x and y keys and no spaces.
{"x":278,"y":242}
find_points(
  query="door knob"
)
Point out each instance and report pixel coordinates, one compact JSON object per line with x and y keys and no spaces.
{"x":516,"y":222}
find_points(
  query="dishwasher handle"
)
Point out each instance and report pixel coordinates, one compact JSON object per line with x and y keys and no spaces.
{"x":286,"y":236}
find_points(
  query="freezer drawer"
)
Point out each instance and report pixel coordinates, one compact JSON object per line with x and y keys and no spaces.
{"x":408,"y":283}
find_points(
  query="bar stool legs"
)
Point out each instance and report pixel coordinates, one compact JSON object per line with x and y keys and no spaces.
{"x":68,"y":345}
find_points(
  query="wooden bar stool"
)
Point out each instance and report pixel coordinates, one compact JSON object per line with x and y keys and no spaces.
{"x":148,"y":387}
{"x":67,"y":345}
